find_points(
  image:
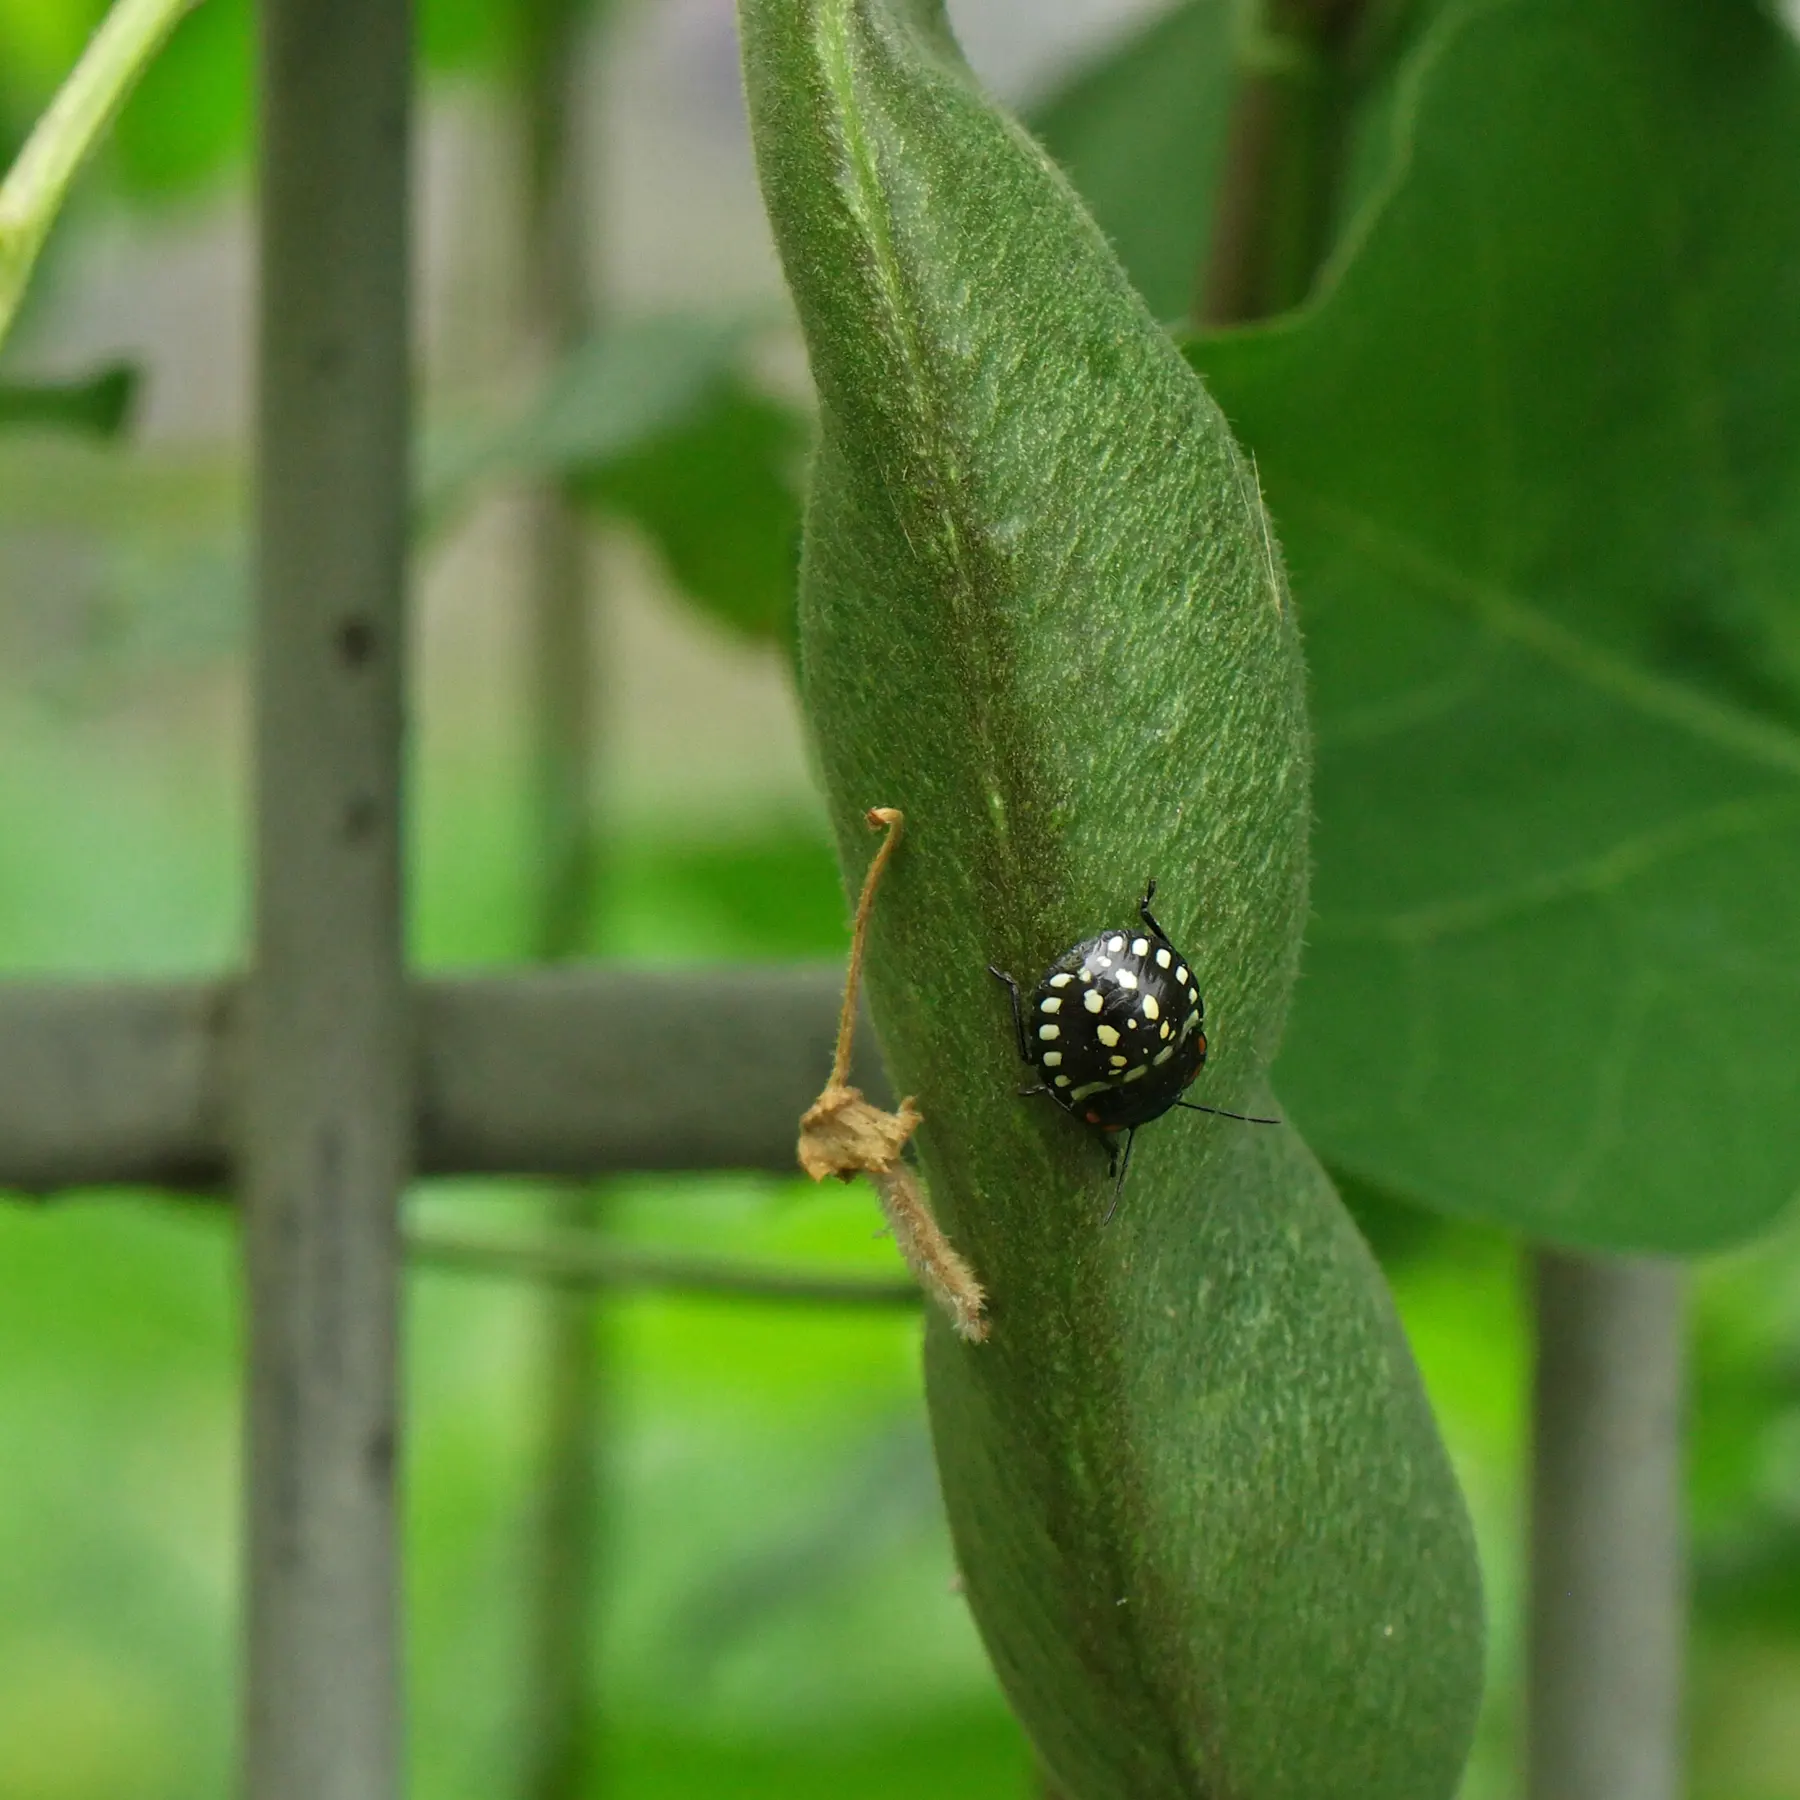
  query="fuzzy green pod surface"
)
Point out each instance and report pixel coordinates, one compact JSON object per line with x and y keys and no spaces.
{"x":1204,"y":1519}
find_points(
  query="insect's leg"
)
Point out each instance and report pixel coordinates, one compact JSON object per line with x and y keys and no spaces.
{"x":1146,"y":914}
{"x":1123,"y":1165}
{"x":1219,"y":1112}
{"x":1027,"y":1093}
{"x":1018,"y":1010}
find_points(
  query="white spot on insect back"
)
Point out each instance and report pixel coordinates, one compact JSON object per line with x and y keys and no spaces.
{"x":1052,"y":1058}
{"x":1091,"y":1087}
{"x":1162,"y":1056}
{"x":1151,"y":1009}
{"x":1141,"y":1069}
{"x":1115,"y":945}
{"x":1127,"y":979}
{"x":1181,"y":974}
{"x":1094,"y":1000}
{"x":1107,"y":1036}
{"x":1049,"y":1031}
{"x":1062,"y":1081}
{"x":1118,"y":1062}
{"x":1062,"y":979}
{"x":1053,"y":1004}
{"x":1140,"y":946}
{"x":1163,"y":959}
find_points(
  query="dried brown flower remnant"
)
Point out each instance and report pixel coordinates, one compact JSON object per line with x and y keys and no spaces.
{"x":843,"y":1134}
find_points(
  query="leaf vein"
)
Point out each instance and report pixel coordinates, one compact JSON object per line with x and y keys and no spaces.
{"x":1517,"y":620}
{"x":1593,"y":877}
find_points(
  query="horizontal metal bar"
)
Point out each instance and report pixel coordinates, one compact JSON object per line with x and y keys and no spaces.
{"x":115,"y":1083}
{"x":565,"y":1071}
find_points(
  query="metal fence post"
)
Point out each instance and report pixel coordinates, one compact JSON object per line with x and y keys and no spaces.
{"x":1608,"y":1601}
{"x":326,"y":1124}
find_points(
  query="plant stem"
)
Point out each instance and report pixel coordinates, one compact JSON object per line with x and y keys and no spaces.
{"x":1607,"y":1610}
{"x":34,"y":189}
{"x":562,"y":1717}
{"x":582,"y":1261}
{"x":1273,"y":208}
{"x":561,"y":1714}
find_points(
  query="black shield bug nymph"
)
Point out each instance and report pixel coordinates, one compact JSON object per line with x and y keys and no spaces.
{"x":1115,"y":1026}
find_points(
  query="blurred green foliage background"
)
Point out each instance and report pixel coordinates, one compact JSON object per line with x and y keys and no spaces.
{"x":779,"y":1617}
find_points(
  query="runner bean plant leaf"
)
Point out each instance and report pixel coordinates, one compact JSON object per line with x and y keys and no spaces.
{"x":99,"y":406}
{"x":656,"y":421}
{"x":1534,"y":450}
{"x":1531,"y":448}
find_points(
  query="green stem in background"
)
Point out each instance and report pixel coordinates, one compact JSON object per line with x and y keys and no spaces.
{"x":561,"y":1713}
{"x":1283,"y":150}
{"x":38,"y":182}
{"x":586,"y":1261}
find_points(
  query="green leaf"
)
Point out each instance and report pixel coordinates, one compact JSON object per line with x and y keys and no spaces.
{"x":967,"y":1755}
{"x":719,"y":498}
{"x":1535,"y":454}
{"x":1141,"y":134}
{"x":101,"y":404}
{"x":1203,"y":1517}
{"x":626,"y":387}
{"x":464,"y":35}
{"x":190,"y":117}
{"x":40,"y":40}
{"x":653,"y":421}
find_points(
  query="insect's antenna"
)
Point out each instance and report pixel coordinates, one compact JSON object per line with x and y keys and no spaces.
{"x":1119,"y":1185}
{"x":1219,"y":1112}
